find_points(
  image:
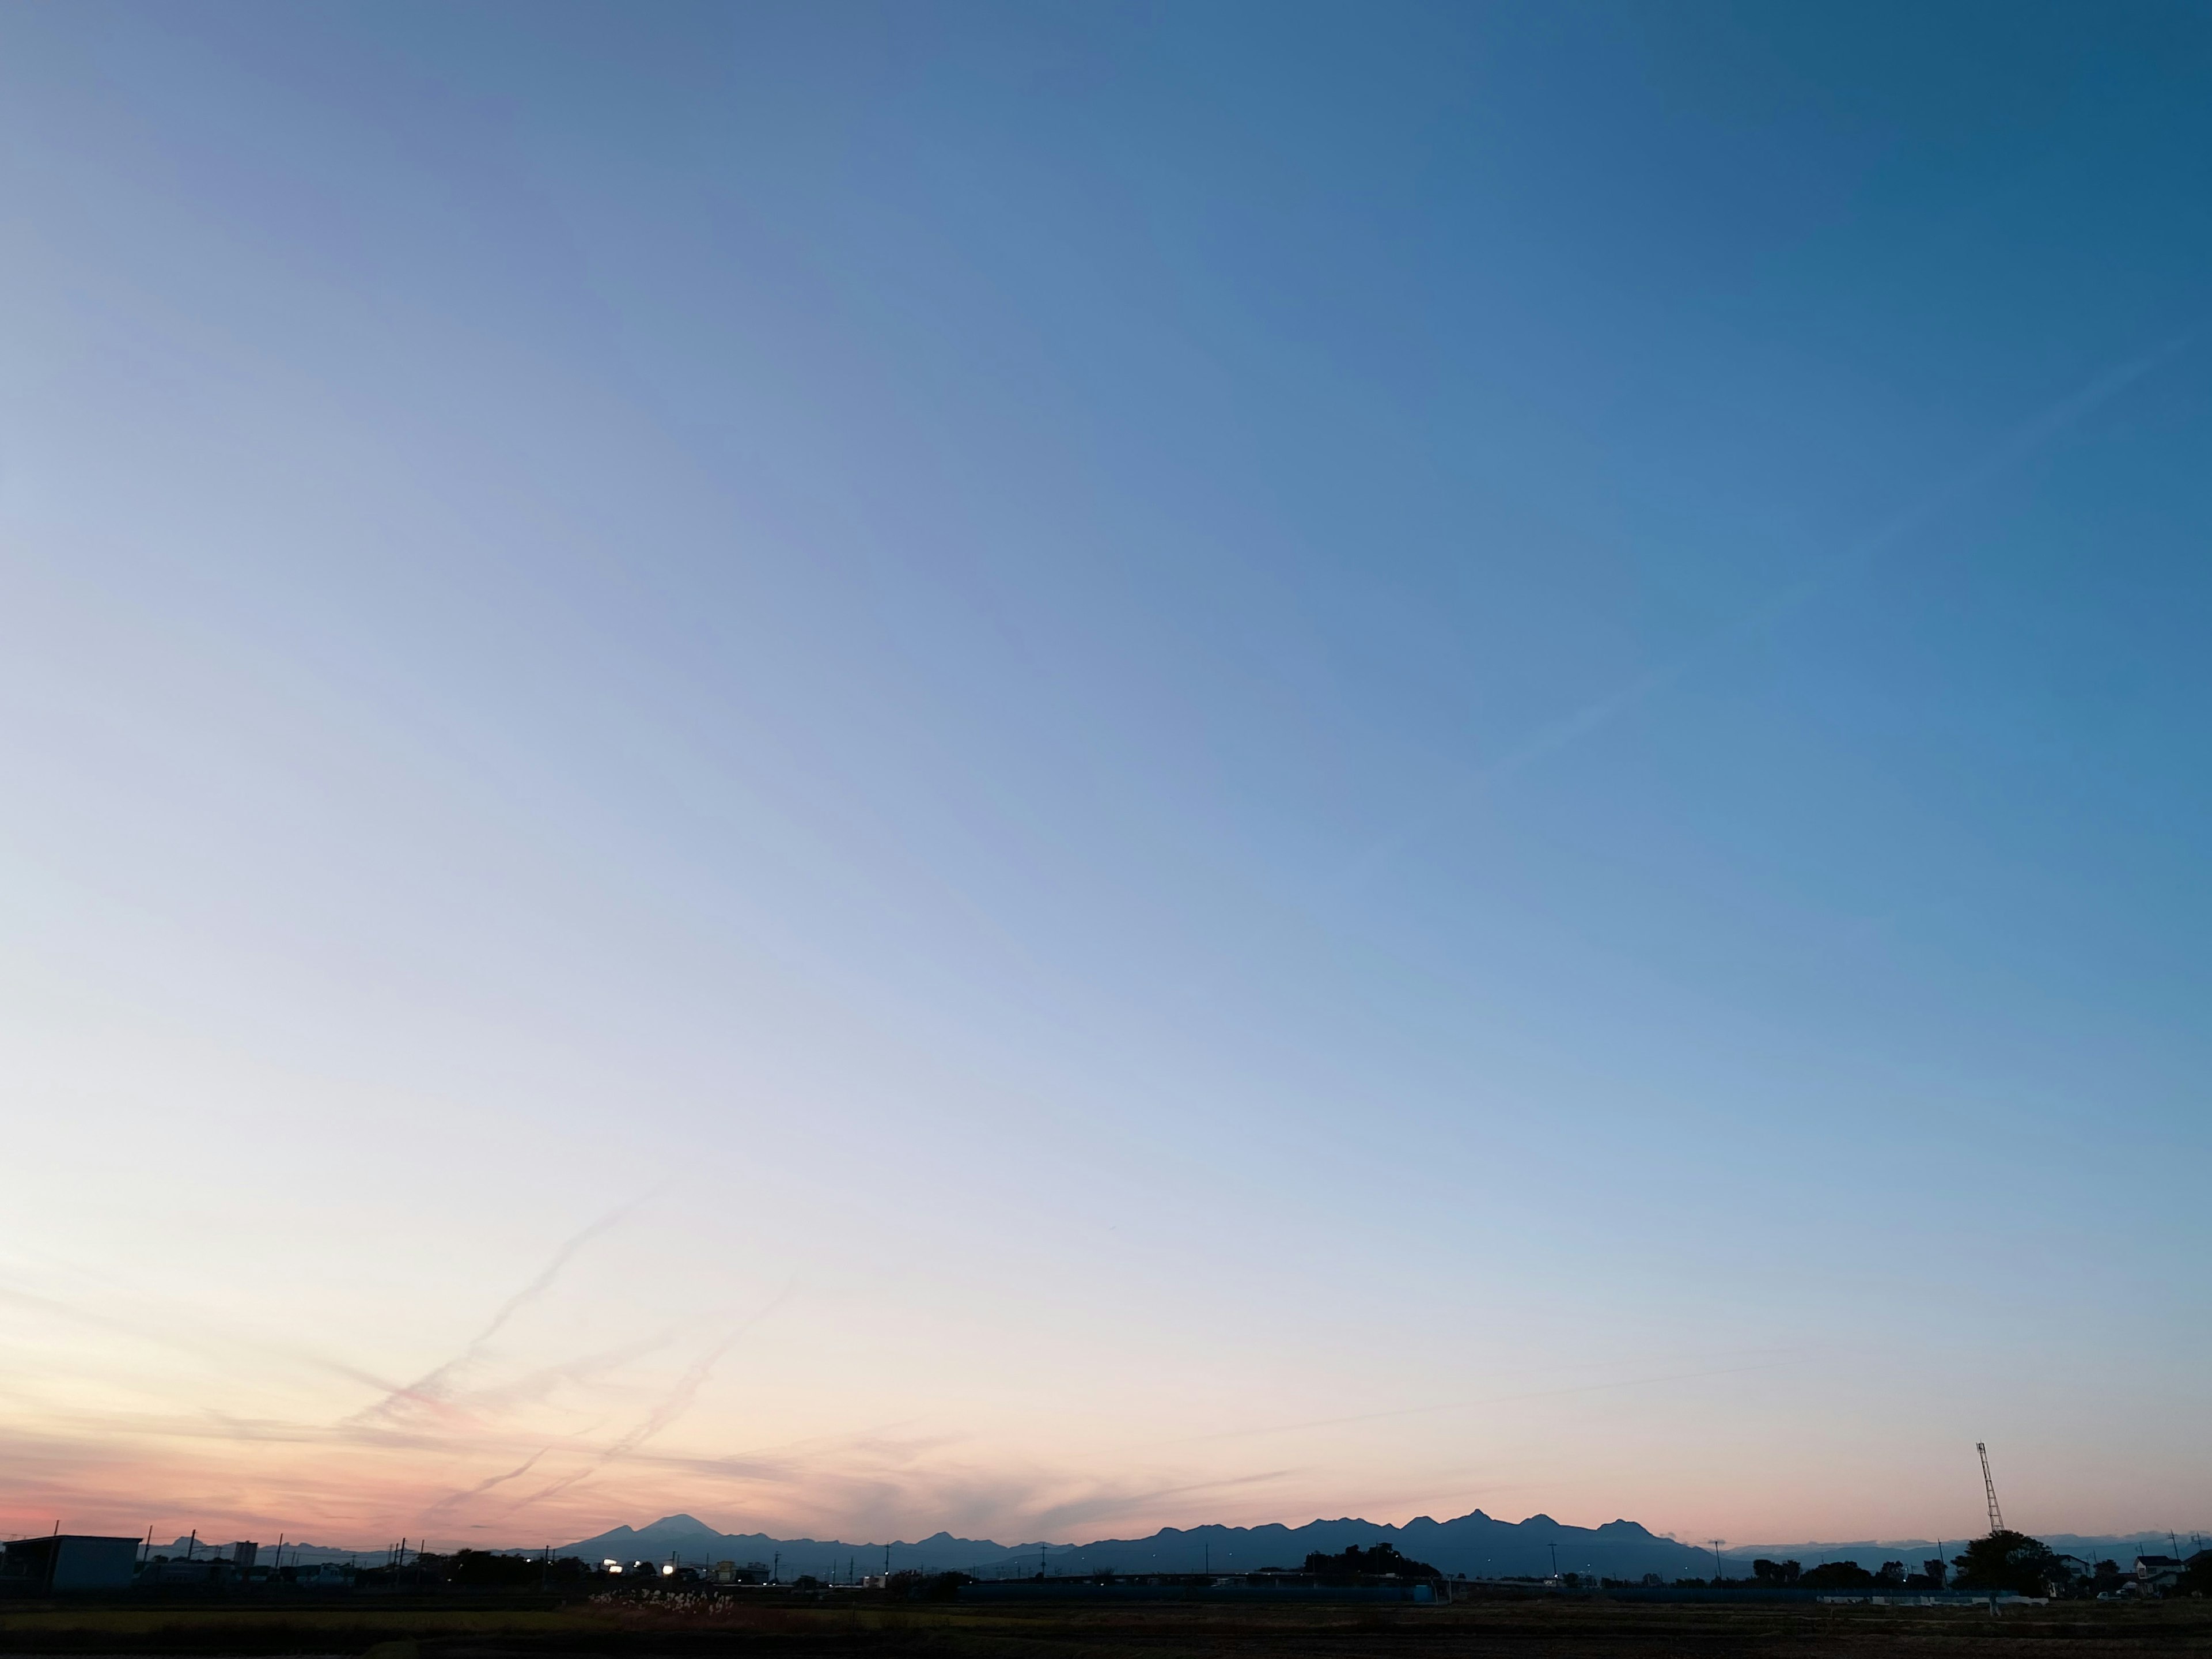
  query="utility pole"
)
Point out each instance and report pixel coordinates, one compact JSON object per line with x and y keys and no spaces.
{"x":1718,"y":1572}
{"x":1989,"y":1486}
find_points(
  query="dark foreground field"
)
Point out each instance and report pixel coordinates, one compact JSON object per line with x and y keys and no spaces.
{"x":1536,"y":1629}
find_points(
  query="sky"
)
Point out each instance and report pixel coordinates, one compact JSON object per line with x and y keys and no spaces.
{"x":1048,"y":768}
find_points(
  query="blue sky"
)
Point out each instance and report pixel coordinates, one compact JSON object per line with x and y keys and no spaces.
{"x":1099,"y":732}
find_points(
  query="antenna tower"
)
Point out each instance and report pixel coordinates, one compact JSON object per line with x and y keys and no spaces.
{"x":1989,"y":1486}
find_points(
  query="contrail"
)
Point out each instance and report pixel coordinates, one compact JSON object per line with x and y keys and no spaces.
{"x":672,"y":1406}
{"x":446,"y":1504}
{"x":2022,"y":442}
{"x":429,"y":1390}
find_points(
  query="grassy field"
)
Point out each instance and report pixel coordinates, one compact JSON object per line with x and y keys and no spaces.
{"x":1547,"y":1629}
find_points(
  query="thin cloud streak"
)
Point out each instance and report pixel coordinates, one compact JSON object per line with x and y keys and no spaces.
{"x":221,"y":1348}
{"x":2023,"y":442}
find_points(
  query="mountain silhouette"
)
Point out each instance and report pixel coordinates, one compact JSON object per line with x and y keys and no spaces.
{"x":1475,"y":1544}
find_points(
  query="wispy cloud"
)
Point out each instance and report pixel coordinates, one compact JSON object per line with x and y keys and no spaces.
{"x":1487,"y":1400}
{"x":1111,"y":1504}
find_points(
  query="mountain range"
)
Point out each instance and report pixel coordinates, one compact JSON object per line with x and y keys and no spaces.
{"x":1475,"y":1544}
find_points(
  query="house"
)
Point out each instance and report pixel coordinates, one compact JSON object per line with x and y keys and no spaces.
{"x":65,"y":1561}
{"x":2157,"y":1574}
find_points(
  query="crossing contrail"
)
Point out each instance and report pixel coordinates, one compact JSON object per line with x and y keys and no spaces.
{"x":431,"y":1389}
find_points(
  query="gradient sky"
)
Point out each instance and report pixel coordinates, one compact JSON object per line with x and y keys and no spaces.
{"x":1051,"y":767}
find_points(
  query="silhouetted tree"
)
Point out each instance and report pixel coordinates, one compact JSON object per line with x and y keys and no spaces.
{"x":1382,"y":1560}
{"x":1775,"y":1572}
{"x":1836,"y":1575}
{"x":2007,"y":1561}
